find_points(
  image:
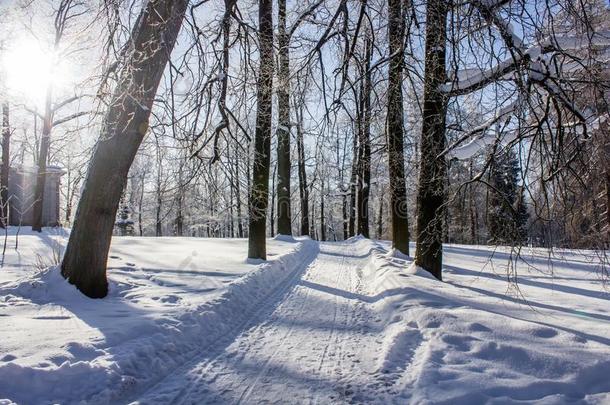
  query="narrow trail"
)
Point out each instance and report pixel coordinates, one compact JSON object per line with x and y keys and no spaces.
{"x":315,"y":343}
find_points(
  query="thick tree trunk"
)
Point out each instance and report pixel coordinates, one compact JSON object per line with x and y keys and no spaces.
{"x":398,"y":191}
{"x":259,"y":195}
{"x":6,"y":160}
{"x":284,"y":220}
{"x":43,"y":156}
{"x":364,"y":164}
{"x":124,"y":127}
{"x":303,"y":188}
{"x":431,"y":193}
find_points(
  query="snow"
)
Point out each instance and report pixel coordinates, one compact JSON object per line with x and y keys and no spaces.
{"x":168,"y":298}
{"x":190,"y":320}
{"x":472,"y":148}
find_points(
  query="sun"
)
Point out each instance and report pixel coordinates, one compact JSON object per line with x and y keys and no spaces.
{"x":30,"y":69}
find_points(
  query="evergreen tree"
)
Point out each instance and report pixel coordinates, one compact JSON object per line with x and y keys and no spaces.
{"x":507,"y":212}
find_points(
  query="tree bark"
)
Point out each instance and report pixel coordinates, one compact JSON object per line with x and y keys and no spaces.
{"x":344,"y":215}
{"x":351,"y":228}
{"x":6,"y":164}
{"x":273,"y":194}
{"x":398,"y":191}
{"x":380,"y":219}
{"x":179,"y":203}
{"x":124,"y":127}
{"x":303,"y":188}
{"x":284,"y":220}
{"x":240,"y":225}
{"x":322,"y":214}
{"x":159,"y":196}
{"x":431,"y":193}
{"x":364,"y":164}
{"x":259,"y":194}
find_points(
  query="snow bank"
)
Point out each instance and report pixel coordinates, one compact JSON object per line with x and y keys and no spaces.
{"x":58,"y":346}
{"x":388,"y":331}
{"x":467,"y":340}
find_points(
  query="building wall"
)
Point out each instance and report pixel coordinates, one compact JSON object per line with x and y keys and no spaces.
{"x":22,"y":184}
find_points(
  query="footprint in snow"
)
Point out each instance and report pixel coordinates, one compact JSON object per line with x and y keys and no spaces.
{"x":477,"y":327}
{"x":8,"y":357}
{"x":546,"y":333}
{"x":170,"y":299}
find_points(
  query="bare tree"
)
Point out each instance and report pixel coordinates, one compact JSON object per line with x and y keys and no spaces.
{"x":284,"y":220}
{"x":395,"y":133}
{"x":124,"y":127}
{"x":4,"y":174}
{"x":67,"y":11}
{"x":259,"y":193}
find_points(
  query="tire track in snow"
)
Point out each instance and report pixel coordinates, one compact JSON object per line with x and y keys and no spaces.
{"x":215,"y":349}
{"x":305,"y":345}
{"x":316,"y":267}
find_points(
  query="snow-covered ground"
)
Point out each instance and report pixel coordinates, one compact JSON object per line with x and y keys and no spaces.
{"x":191,"y":321}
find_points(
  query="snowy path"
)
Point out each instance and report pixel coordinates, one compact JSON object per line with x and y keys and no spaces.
{"x":311,"y":344}
{"x":326,"y":323}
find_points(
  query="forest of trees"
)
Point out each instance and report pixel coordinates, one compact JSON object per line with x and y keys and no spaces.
{"x":475,"y":122}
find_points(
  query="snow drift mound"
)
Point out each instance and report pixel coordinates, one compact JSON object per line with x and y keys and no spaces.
{"x":445,"y":343}
{"x":119,"y":372}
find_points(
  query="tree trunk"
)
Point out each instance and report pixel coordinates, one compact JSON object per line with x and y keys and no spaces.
{"x":231,"y":195}
{"x":140,"y":206}
{"x":431,"y":193}
{"x":179,"y":203}
{"x":303,"y":189}
{"x":322,"y":214}
{"x":158,"y":224}
{"x":606,"y":245}
{"x":398,"y":191}
{"x":472,"y":207}
{"x":240,"y":225}
{"x":43,"y":155}
{"x":380,"y":219}
{"x":273,"y":193}
{"x":344,"y":215}
{"x":284,"y":220}
{"x":124,"y":127}
{"x":6,"y":161}
{"x":352,"y":190}
{"x":259,"y":195}
{"x":312,"y":230}
{"x":364,"y":164}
